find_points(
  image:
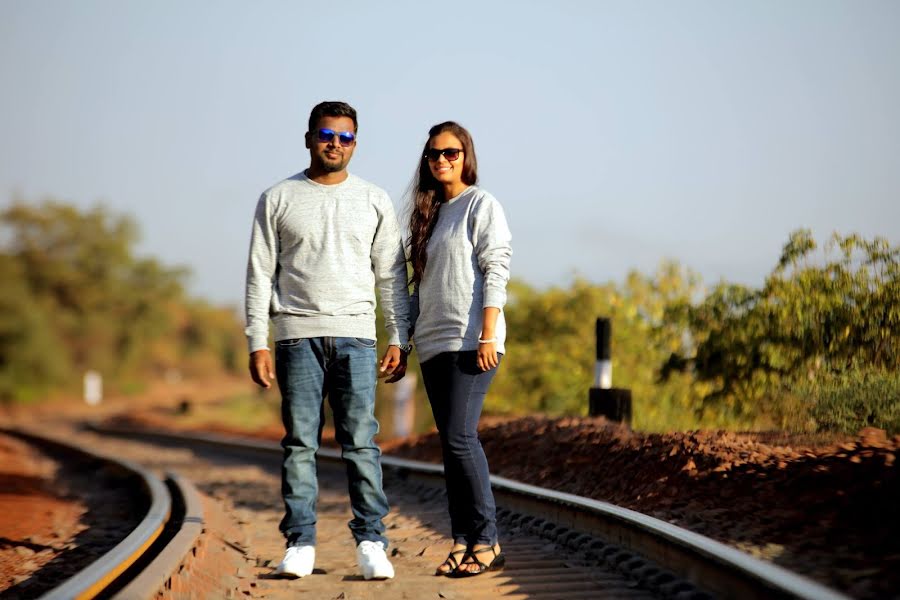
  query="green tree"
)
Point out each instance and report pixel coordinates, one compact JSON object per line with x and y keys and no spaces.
{"x":30,"y":361}
{"x":551,"y":346}
{"x":76,"y":298}
{"x":817,"y":317}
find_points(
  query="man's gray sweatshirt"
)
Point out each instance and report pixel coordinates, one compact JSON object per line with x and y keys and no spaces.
{"x":467,"y":270}
{"x":317,"y":253}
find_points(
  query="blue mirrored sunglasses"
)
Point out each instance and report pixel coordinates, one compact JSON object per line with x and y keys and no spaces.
{"x":346,"y":138}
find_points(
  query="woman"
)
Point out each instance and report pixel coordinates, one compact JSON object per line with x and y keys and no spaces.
{"x":460,"y":251}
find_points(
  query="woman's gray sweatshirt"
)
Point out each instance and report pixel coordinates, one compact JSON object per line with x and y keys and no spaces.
{"x":467,"y":270}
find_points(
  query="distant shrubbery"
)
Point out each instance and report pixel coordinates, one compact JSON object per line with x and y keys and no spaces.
{"x":817,"y":347}
{"x":552,"y":349}
{"x":76,"y":298}
{"x":818,"y":343}
{"x":855,"y":400}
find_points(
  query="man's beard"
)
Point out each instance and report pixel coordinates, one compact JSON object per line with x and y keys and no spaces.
{"x":333,"y":166}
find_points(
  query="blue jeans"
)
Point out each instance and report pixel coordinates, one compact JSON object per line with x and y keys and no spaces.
{"x":456,"y":389}
{"x":342,"y":368}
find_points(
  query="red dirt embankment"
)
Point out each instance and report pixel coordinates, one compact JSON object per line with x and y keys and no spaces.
{"x":827,"y":510}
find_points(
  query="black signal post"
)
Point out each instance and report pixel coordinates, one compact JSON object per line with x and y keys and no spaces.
{"x":605,"y":400}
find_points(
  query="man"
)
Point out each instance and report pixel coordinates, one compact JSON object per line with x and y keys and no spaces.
{"x":322,"y":241}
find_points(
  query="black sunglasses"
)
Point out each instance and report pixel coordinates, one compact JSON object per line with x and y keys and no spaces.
{"x":346,"y":138}
{"x":450,"y":154}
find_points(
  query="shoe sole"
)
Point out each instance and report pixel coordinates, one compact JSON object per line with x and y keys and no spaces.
{"x":378,"y":577}
{"x":290,"y":575}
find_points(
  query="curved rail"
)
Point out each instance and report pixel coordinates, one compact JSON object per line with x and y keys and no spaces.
{"x":707,"y":563}
{"x":90,"y":581}
{"x":101,"y":576}
{"x":186,"y":527}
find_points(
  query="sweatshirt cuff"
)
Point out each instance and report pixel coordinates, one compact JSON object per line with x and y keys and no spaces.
{"x":397,"y":338}
{"x":494,"y":298}
{"x":257,"y":343}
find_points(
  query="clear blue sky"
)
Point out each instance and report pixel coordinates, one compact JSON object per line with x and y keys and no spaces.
{"x":615,"y":134}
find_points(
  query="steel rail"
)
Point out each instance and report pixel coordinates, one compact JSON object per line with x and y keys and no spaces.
{"x":187,"y":527}
{"x":97,"y":576}
{"x":709,"y":564}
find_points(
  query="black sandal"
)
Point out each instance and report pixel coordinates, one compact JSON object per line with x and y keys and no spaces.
{"x":452,"y":562}
{"x":496,"y":563}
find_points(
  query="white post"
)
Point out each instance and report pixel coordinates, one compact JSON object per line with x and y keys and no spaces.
{"x":603,"y":367}
{"x":93,"y":388}
{"x":404,"y":407}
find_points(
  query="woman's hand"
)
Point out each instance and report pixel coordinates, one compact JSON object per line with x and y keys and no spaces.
{"x":487,"y":351}
{"x":487,"y":356}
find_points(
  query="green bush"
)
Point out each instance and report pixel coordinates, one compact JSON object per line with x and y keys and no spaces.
{"x":818,"y":317}
{"x":76,"y":297}
{"x":855,"y":400}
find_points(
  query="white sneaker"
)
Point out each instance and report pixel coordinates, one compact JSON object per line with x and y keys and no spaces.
{"x":373,"y":561}
{"x":297,"y":562}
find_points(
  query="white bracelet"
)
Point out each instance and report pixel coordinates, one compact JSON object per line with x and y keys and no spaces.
{"x":490,"y":341}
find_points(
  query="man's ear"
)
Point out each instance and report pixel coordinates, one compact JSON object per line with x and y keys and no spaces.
{"x":306,"y":138}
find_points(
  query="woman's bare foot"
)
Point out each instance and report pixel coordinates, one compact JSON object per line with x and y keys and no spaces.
{"x":452,"y":561}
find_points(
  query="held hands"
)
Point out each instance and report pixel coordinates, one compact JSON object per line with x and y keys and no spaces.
{"x":261,"y":368}
{"x":393,"y":365}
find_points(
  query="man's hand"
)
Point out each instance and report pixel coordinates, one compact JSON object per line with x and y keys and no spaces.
{"x":261,"y":368}
{"x":393,"y":365}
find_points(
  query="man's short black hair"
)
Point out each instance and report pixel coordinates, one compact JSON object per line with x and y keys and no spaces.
{"x":332,"y":109}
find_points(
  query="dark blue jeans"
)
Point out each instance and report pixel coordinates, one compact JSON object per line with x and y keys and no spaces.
{"x":456,"y":389}
{"x":342,"y":368}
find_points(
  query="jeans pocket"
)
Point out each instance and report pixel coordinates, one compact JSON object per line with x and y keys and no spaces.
{"x":364,"y":342}
{"x":288,"y":343}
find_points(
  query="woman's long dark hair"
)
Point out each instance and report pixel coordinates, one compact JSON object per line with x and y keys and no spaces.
{"x":427,"y":193}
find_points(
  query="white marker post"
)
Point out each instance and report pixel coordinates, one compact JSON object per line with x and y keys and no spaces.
{"x":603,"y":399}
{"x":603,"y":367}
{"x":93,"y":388}
{"x":404,"y":407}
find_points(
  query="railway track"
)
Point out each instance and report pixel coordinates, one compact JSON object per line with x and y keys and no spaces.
{"x":168,"y":518}
{"x":558,"y":546}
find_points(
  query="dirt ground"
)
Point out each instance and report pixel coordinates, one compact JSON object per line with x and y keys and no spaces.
{"x":825,"y":508}
{"x":36,"y":522}
{"x":41,"y":515}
